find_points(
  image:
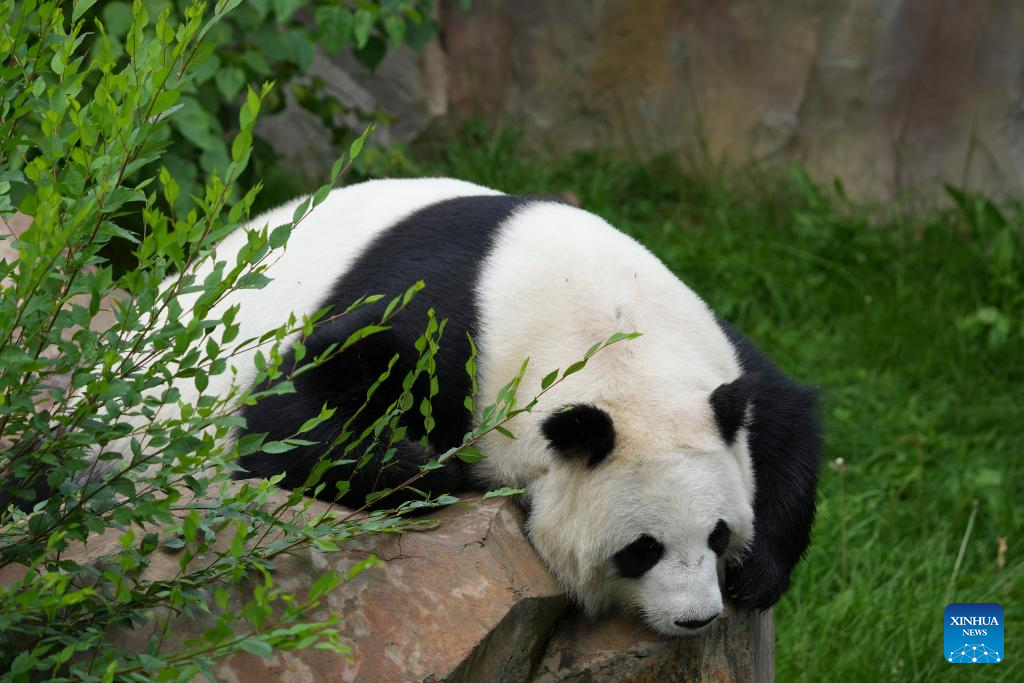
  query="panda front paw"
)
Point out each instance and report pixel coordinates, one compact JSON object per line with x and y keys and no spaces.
{"x":757,"y":583}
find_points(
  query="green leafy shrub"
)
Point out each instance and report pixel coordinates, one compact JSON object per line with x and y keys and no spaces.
{"x":259,"y":41}
{"x":67,"y":391}
{"x":91,"y":416}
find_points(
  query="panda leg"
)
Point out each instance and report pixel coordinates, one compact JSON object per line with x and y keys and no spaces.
{"x":341,"y":384}
{"x":356,"y":483}
{"x":376,"y":476}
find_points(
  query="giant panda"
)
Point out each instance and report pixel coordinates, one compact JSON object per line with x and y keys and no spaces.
{"x":676,"y":464}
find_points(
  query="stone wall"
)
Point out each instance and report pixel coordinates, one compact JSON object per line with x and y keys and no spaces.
{"x":888,"y":94}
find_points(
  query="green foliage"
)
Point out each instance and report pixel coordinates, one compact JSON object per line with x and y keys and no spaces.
{"x":76,"y":128}
{"x":995,"y":236}
{"x":911,"y":325}
{"x":93,"y":413}
{"x":257,"y":41}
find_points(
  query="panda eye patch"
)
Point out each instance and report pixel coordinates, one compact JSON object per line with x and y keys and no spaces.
{"x":638,"y":557}
{"x":718,"y":541}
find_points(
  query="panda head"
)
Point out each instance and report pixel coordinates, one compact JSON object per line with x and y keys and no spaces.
{"x":643,"y":506}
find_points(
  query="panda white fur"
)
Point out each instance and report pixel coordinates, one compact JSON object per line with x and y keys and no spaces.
{"x":683,"y":454}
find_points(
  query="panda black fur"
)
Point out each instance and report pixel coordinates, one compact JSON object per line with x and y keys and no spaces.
{"x":672,"y":458}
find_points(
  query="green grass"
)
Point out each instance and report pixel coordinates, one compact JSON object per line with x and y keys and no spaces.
{"x":921,"y":394}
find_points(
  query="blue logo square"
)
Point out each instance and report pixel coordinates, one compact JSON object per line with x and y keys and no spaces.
{"x":973,"y":633}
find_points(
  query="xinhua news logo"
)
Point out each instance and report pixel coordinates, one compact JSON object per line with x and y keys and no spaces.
{"x":974,"y":633}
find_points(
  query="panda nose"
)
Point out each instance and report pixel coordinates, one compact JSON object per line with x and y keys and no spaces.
{"x":696,"y":623}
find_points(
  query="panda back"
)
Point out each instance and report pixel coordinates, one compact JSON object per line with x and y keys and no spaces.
{"x":321,"y":250}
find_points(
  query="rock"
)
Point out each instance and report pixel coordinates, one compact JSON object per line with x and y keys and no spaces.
{"x":400,"y":87}
{"x":470,"y":601}
{"x":886,"y":94}
{"x":436,"y":598}
{"x":737,"y":647}
{"x":889,"y":95}
{"x":464,"y":602}
{"x":408,"y":87}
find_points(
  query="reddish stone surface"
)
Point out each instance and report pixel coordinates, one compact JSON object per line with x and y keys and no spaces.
{"x":619,"y":648}
{"x":466,"y":601}
{"x":420,"y":615}
{"x":469,"y":600}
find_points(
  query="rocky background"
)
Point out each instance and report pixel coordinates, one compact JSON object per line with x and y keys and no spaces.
{"x":890,"y":95}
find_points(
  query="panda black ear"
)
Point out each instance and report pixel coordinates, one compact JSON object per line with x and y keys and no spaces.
{"x":580,"y":429}
{"x":730,"y":402}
